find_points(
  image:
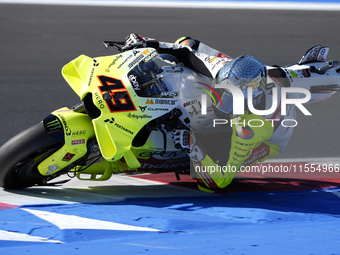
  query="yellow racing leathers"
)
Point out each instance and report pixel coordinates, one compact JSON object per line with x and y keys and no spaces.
{"x":247,"y":143}
{"x":252,"y":139}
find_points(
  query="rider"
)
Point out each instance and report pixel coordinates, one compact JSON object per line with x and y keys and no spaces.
{"x":217,"y":159}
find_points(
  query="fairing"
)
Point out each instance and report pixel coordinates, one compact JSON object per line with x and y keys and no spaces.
{"x":122,"y":112}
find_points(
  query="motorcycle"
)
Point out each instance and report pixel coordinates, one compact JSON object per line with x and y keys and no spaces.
{"x":130,"y":102}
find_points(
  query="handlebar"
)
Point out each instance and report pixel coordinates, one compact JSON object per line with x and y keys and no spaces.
{"x":113,"y":44}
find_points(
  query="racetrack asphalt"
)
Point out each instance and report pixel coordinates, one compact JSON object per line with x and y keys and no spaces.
{"x":37,"y":40}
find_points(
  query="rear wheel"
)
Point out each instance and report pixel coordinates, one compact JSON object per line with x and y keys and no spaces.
{"x":20,"y":157}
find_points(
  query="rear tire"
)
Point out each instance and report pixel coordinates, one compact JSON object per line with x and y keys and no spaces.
{"x":21,"y":155}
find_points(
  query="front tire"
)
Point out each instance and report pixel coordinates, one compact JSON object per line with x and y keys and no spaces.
{"x":21,"y":155}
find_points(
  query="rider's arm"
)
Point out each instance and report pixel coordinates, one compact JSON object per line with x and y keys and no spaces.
{"x":185,"y":55}
{"x":195,"y":55}
{"x":192,"y":53}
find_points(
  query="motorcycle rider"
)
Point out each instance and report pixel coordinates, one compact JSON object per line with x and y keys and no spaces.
{"x":243,"y":144}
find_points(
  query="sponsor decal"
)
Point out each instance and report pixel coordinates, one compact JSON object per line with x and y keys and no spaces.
{"x":151,"y":56}
{"x":79,"y":133}
{"x":199,"y":168}
{"x":153,"y":109}
{"x":218,"y":63}
{"x":143,"y":108}
{"x":123,"y":128}
{"x":52,"y":168}
{"x":210,"y":59}
{"x":215,"y":61}
{"x":66,"y":127}
{"x":191,"y":102}
{"x":161,"y":154}
{"x":99,"y":100}
{"x":53,"y":125}
{"x":134,"y":82}
{"x":113,"y":62}
{"x":156,"y":149}
{"x":175,"y":69}
{"x":165,"y":101}
{"x":91,"y":76}
{"x":135,"y":61}
{"x":293,"y":74}
{"x":161,"y":101}
{"x":68,"y":157}
{"x":306,"y":73}
{"x":124,"y":61}
{"x":150,"y":101}
{"x":157,"y":109}
{"x":258,"y":153}
{"x":197,"y":154}
{"x":112,"y":121}
{"x":77,"y":142}
{"x":146,"y":52}
{"x":222,"y":55}
{"x":245,"y":133}
{"x":136,"y":116}
{"x":169,"y":94}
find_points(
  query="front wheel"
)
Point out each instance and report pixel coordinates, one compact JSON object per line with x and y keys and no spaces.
{"x":21,"y":155}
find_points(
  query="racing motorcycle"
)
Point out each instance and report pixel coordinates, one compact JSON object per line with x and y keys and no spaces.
{"x":130,"y":102}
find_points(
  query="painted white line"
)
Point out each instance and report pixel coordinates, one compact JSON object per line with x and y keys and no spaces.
{"x":63,"y":221}
{"x":12,"y":236}
{"x":335,"y":193}
{"x":190,"y":4}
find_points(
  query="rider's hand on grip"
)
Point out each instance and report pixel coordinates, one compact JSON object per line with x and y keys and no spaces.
{"x":134,"y":40}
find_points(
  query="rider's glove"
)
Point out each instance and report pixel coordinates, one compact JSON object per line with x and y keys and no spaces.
{"x":182,"y":139}
{"x":136,"y":41}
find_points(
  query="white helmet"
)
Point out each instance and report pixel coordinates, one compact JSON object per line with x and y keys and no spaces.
{"x":242,"y":72}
